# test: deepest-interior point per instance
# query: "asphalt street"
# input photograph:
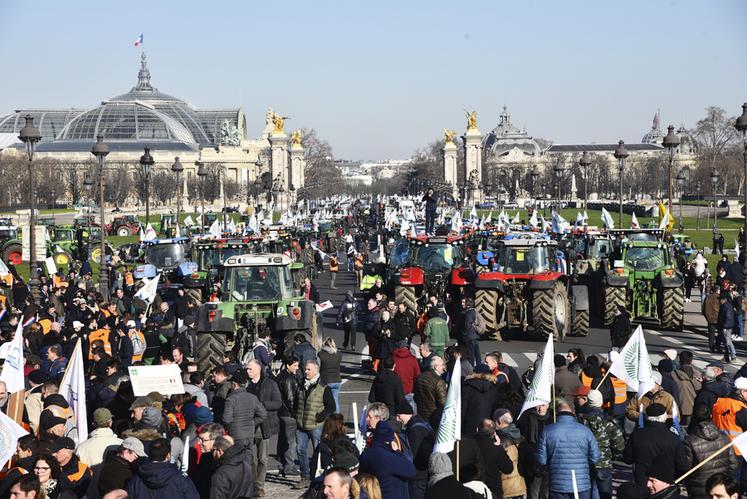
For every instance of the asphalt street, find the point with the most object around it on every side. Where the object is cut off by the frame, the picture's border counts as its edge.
(518, 353)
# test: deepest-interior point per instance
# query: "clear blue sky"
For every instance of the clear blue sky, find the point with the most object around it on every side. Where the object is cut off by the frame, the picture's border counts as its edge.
(381, 79)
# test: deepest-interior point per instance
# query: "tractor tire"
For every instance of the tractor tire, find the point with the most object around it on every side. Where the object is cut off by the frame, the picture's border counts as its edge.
(123, 231)
(551, 312)
(580, 323)
(613, 297)
(63, 258)
(406, 295)
(673, 308)
(12, 254)
(210, 350)
(486, 304)
(95, 255)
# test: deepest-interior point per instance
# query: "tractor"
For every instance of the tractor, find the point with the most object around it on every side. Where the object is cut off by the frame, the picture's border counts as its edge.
(166, 254)
(422, 266)
(209, 255)
(527, 287)
(588, 255)
(258, 294)
(10, 242)
(125, 225)
(167, 225)
(644, 280)
(76, 242)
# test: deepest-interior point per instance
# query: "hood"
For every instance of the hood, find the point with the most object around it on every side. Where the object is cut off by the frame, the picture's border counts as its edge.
(383, 435)
(510, 431)
(158, 475)
(144, 434)
(706, 430)
(329, 349)
(480, 382)
(233, 454)
(592, 372)
(401, 353)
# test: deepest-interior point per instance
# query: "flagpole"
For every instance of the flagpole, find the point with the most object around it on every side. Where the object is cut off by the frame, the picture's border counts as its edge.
(702, 463)
(603, 378)
(457, 460)
(554, 411)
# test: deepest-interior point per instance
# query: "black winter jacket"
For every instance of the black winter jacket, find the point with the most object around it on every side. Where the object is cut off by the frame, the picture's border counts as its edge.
(495, 459)
(703, 440)
(243, 411)
(651, 443)
(234, 477)
(288, 385)
(712, 390)
(387, 388)
(479, 397)
(267, 391)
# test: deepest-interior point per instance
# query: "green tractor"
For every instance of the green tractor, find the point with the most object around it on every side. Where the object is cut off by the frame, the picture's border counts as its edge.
(644, 280)
(209, 254)
(167, 225)
(10, 242)
(69, 242)
(258, 294)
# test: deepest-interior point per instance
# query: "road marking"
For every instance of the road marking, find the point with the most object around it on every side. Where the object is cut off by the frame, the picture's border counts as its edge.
(532, 356)
(509, 361)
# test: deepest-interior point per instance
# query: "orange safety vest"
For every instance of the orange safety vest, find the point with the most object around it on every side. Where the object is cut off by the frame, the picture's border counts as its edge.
(621, 390)
(139, 357)
(334, 265)
(103, 335)
(724, 415)
(586, 380)
(129, 280)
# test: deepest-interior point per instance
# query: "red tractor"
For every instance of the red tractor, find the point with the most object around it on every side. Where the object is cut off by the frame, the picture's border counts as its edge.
(423, 266)
(526, 287)
(125, 225)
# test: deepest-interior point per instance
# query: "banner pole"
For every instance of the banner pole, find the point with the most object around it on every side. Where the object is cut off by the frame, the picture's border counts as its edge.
(554, 411)
(703, 462)
(457, 460)
(603, 378)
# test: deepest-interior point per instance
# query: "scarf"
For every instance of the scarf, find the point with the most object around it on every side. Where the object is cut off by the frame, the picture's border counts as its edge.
(308, 382)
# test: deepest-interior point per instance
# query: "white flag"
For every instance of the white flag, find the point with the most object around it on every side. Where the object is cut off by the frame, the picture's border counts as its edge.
(148, 292)
(177, 233)
(404, 227)
(634, 222)
(185, 456)
(10, 432)
(740, 442)
(231, 226)
(586, 217)
(607, 219)
(664, 224)
(215, 228)
(545, 224)
(73, 389)
(533, 220)
(559, 224)
(253, 224)
(633, 365)
(736, 249)
(540, 391)
(450, 429)
(473, 213)
(150, 233)
(13, 368)
(188, 222)
(579, 219)
(516, 219)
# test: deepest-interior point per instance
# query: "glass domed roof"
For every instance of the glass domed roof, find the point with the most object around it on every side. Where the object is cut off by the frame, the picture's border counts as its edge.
(505, 137)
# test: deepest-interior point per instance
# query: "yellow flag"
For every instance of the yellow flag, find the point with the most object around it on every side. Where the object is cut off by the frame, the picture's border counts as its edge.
(663, 212)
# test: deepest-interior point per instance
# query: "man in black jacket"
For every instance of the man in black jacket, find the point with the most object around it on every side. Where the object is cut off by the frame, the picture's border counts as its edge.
(243, 411)
(233, 477)
(431, 203)
(716, 383)
(387, 386)
(419, 435)
(268, 393)
(287, 381)
(494, 457)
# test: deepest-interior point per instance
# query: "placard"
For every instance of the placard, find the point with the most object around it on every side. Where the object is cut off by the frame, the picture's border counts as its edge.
(166, 380)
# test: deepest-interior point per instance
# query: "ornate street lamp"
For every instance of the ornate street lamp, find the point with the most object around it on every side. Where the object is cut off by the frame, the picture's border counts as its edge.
(714, 183)
(30, 136)
(88, 185)
(621, 153)
(146, 163)
(100, 151)
(201, 174)
(559, 169)
(670, 143)
(178, 169)
(584, 163)
(741, 126)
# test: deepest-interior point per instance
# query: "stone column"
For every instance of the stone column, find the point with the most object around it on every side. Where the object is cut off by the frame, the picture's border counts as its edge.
(279, 167)
(473, 161)
(450, 166)
(298, 163)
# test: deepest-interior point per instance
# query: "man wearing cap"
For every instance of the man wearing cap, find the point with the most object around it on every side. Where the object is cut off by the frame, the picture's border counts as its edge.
(119, 467)
(716, 383)
(609, 437)
(654, 442)
(729, 414)
(417, 435)
(74, 474)
(243, 411)
(660, 481)
(233, 476)
(655, 395)
(101, 439)
(33, 398)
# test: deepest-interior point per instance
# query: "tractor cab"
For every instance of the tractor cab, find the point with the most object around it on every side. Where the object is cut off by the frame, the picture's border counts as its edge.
(168, 225)
(166, 254)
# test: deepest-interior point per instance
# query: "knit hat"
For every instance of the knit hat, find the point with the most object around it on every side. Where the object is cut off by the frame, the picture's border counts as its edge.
(439, 467)
(661, 469)
(344, 455)
(56, 399)
(197, 414)
(655, 410)
(403, 408)
(665, 366)
(62, 443)
(48, 420)
(102, 415)
(151, 417)
(631, 490)
(383, 433)
(37, 377)
(595, 398)
(740, 383)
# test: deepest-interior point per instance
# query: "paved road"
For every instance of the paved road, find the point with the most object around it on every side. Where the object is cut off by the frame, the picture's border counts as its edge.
(519, 354)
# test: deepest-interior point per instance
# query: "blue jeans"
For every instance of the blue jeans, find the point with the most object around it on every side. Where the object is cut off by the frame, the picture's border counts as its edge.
(410, 399)
(582, 494)
(335, 389)
(473, 348)
(602, 488)
(302, 441)
(740, 322)
(726, 336)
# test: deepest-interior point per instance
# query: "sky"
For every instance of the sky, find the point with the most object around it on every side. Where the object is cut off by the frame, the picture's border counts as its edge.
(383, 79)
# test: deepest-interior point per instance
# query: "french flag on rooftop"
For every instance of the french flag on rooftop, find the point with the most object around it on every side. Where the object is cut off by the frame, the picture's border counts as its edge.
(139, 40)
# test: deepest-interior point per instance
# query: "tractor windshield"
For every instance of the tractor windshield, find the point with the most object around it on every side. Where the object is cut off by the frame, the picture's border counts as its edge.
(436, 257)
(600, 249)
(645, 259)
(164, 255)
(63, 235)
(208, 258)
(261, 283)
(523, 260)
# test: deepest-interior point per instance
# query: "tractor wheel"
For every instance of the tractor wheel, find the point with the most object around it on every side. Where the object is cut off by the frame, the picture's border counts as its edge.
(123, 231)
(613, 297)
(673, 308)
(95, 255)
(12, 254)
(406, 295)
(581, 323)
(210, 349)
(486, 304)
(551, 312)
(63, 258)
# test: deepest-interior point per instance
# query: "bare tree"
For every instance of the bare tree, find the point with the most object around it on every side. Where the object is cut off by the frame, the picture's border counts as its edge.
(322, 176)
(74, 182)
(713, 134)
(117, 185)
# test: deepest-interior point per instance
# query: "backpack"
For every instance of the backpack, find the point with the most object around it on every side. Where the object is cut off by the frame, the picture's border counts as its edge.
(479, 323)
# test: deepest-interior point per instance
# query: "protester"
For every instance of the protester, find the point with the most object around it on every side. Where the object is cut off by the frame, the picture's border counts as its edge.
(233, 476)
(158, 478)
